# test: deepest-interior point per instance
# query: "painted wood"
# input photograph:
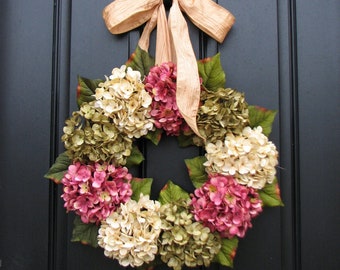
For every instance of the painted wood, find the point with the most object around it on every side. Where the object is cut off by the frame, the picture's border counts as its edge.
(282, 54)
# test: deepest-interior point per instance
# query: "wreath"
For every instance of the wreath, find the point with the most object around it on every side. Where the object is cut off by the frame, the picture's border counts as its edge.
(233, 180)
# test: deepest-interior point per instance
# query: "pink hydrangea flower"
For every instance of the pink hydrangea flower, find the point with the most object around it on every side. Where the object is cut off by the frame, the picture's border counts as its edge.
(161, 84)
(95, 191)
(223, 205)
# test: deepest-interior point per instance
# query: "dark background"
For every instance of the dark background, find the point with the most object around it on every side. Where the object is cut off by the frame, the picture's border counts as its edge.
(283, 54)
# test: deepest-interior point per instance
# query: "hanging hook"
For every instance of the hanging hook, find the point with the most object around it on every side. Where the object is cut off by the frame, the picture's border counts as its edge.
(167, 4)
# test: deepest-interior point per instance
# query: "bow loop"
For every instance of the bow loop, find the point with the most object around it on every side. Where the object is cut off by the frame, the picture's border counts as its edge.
(208, 16)
(124, 15)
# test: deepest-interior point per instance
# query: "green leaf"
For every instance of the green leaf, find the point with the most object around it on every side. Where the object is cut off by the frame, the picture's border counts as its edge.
(270, 194)
(259, 116)
(185, 140)
(86, 89)
(59, 168)
(211, 72)
(171, 193)
(227, 252)
(135, 158)
(196, 170)
(141, 60)
(140, 185)
(84, 233)
(154, 136)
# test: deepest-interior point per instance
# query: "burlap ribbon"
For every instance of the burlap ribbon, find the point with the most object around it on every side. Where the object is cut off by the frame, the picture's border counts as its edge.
(173, 40)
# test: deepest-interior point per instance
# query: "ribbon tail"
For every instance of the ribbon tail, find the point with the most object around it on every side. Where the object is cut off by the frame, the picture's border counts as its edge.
(144, 40)
(188, 83)
(163, 49)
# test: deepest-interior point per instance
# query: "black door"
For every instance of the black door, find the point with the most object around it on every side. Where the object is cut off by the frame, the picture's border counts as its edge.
(284, 55)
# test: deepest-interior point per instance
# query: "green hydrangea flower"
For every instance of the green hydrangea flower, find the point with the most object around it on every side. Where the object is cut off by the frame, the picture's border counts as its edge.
(96, 139)
(222, 111)
(184, 241)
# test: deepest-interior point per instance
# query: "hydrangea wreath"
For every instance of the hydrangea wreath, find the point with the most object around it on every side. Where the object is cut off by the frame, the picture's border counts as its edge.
(234, 180)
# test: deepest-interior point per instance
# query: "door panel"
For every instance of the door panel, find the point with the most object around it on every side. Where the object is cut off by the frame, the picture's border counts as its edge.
(250, 58)
(251, 67)
(319, 128)
(25, 75)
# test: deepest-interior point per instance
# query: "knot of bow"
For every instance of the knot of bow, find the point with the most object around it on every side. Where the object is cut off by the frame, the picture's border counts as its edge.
(173, 40)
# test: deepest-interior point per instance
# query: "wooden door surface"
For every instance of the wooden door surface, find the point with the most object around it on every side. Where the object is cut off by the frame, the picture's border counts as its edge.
(284, 55)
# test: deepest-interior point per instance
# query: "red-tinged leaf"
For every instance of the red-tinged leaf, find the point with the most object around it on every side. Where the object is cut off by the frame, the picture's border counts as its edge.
(227, 252)
(196, 170)
(59, 168)
(172, 193)
(212, 73)
(259, 116)
(140, 186)
(270, 194)
(141, 60)
(84, 233)
(86, 89)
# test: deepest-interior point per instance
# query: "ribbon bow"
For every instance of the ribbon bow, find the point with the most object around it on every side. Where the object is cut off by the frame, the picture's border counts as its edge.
(124, 15)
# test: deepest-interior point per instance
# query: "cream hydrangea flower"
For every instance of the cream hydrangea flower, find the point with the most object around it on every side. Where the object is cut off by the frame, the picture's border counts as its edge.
(249, 157)
(122, 98)
(130, 234)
